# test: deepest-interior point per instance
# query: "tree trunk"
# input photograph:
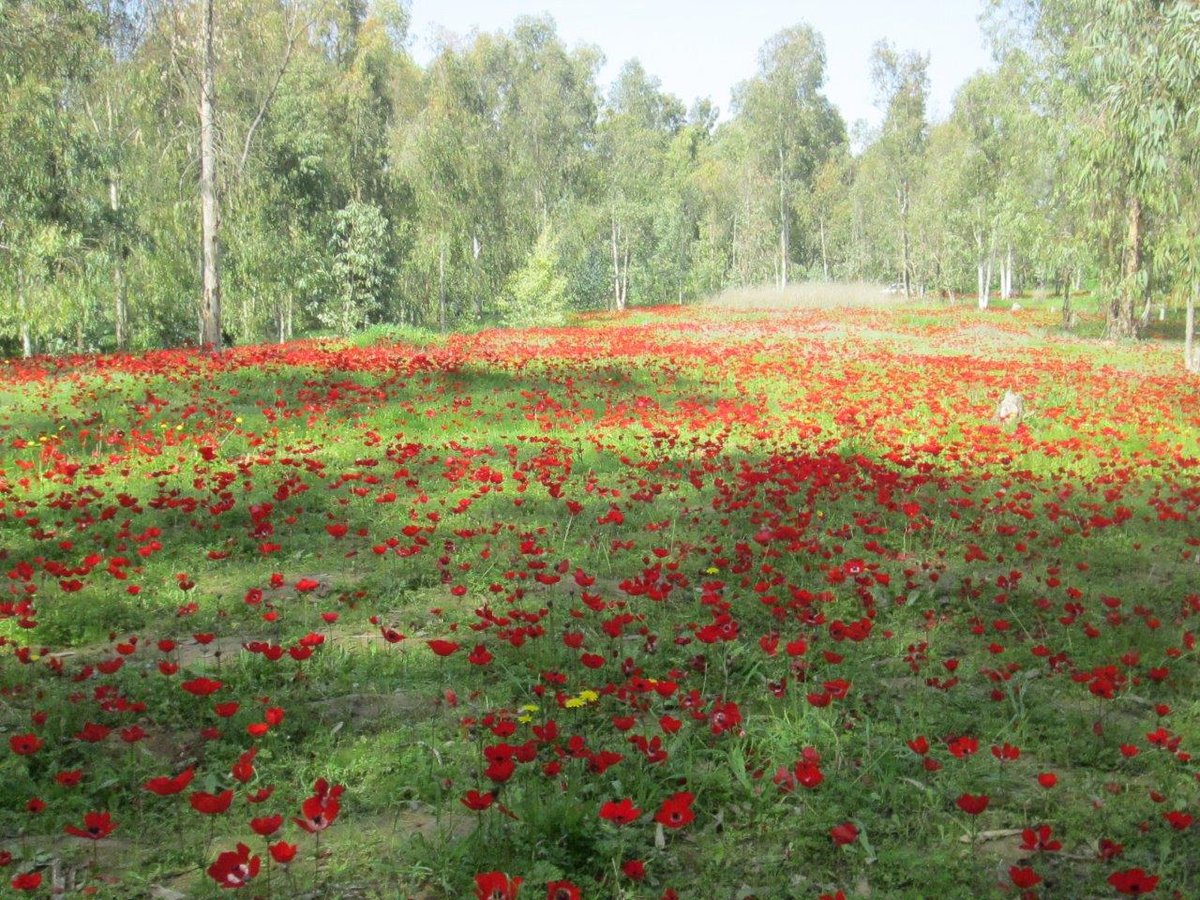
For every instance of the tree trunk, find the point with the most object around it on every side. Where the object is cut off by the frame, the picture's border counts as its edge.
(625, 280)
(442, 288)
(1191, 353)
(824, 254)
(984, 282)
(783, 224)
(1122, 317)
(616, 258)
(905, 249)
(1006, 291)
(120, 296)
(210, 302)
(23, 326)
(1066, 302)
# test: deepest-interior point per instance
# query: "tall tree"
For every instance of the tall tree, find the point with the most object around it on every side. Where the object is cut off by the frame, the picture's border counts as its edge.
(210, 299)
(793, 124)
(1127, 75)
(902, 82)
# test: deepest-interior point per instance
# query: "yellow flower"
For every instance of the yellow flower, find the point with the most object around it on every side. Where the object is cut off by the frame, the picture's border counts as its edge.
(711, 570)
(589, 696)
(530, 708)
(572, 703)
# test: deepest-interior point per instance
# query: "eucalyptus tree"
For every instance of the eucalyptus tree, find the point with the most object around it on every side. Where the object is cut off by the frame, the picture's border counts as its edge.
(902, 82)
(48, 52)
(794, 125)
(1127, 75)
(636, 130)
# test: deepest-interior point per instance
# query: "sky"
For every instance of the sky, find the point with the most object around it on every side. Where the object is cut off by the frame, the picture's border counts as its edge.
(702, 48)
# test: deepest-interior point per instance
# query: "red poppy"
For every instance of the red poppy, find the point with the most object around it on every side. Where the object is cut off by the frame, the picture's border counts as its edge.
(96, 826)
(442, 648)
(25, 745)
(676, 810)
(1179, 820)
(620, 812)
(1047, 779)
(93, 733)
(480, 656)
(846, 833)
(265, 826)
(235, 868)
(1133, 882)
(634, 869)
(474, 800)
(724, 716)
(973, 804)
(1038, 839)
(563, 890)
(211, 804)
(27, 881)
(321, 809)
(1024, 877)
(243, 770)
(496, 886)
(201, 687)
(283, 852)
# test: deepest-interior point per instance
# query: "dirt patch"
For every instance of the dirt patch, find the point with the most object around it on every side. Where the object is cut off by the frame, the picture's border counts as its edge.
(364, 712)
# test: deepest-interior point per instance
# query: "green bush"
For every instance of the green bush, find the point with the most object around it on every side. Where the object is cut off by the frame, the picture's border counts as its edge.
(536, 294)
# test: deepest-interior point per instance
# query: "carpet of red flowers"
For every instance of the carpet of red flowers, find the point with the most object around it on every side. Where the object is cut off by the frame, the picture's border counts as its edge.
(701, 604)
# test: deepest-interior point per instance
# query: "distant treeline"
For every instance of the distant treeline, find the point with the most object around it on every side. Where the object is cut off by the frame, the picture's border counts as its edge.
(348, 185)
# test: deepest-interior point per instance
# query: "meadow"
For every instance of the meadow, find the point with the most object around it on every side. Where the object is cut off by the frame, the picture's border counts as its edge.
(691, 602)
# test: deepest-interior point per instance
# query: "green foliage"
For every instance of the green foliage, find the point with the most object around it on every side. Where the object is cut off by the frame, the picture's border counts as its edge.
(536, 295)
(360, 270)
(356, 186)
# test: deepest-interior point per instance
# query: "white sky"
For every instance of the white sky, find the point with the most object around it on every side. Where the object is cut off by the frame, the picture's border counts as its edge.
(702, 48)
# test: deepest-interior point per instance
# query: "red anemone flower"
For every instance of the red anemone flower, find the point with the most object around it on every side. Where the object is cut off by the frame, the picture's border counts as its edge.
(235, 868)
(563, 890)
(442, 648)
(496, 886)
(165, 786)
(283, 852)
(620, 812)
(676, 810)
(27, 881)
(211, 804)
(96, 826)
(1133, 882)
(201, 687)
(476, 801)
(321, 809)
(25, 744)
(846, 833)
(265, 826)
(973, 804)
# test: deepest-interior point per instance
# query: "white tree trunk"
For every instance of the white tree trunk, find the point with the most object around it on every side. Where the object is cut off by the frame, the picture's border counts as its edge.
(616, 259)
(26, 338)
(984, 280)
(442, 287)
(824, 254)
(1191, 353)
(120, 297)
(783, 224)
(210, 302)
(1006, 291)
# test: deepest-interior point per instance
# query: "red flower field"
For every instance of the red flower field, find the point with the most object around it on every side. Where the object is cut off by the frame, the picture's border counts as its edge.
(692, 604)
